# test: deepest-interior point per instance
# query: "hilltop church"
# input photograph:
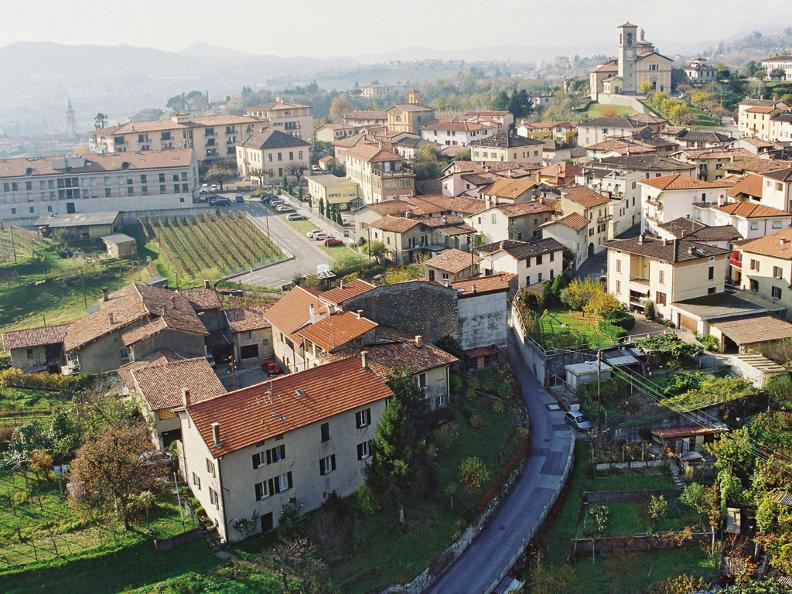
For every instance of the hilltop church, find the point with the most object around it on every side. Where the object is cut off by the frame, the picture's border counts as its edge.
(638, 62)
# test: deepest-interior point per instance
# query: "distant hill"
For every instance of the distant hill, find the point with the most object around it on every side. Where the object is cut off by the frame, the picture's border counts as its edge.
(754, 46)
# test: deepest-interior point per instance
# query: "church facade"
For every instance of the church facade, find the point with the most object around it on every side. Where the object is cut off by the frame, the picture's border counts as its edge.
(637, 62)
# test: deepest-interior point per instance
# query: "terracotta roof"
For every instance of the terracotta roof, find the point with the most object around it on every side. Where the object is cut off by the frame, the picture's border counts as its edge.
(481, 285)
(562, 169)
(758, 329)
(372, 153)
(751, 210)
(679, 181)
(646, 163)
(677, 250)
(621, 146)
(202, 298)
(31, 337)
(366, 114)
(776, 245)
(137, 311)
(549, 124)
(453, 261)
(756, 165)
(523, 249)
(243, 319)
(456, 126)
(411, 107)
(336, 330)
(293, 311)
(506, 140)
(760, 109)
(170, 124)
(524, 208)
(686, 228)
(390, 207)
(748, 185)
(95, 163)
(509, 188)
(346, 290)
(487, 112)
(404, 354)
(395, 224)
(573, 220)
(439, 203)
(277, 106)
(256, 413)
(161, 383)
(584, 196)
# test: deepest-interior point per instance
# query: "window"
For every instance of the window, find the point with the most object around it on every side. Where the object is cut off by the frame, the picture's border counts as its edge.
(618, 265)
(493, 220)
(538, 259)
(777, 272)
(755, 265)
(661, 277)
(711, 291)
(213, 498)
(261, 491)
(30, 353)
(363, 418)
(281, 483)
(210, 467)
(660, 298)
(325, 430)
(711, 273)
(365, 449)
(276, 454)
(777, 224)
(422, 380)
(256, 458)
(618, 287)
(197, 481)
(754, 226)
(327, 464)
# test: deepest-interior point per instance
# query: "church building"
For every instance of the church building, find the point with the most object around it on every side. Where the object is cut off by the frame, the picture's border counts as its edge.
(638, 62)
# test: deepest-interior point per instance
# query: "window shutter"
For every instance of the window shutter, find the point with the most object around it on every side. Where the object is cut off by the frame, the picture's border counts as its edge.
(259, 491)
(332, 461)
(368, 416)
(289, 478)
(321, 466)
(269, 456)
(272, 486)
(360, 451)
(256, 460)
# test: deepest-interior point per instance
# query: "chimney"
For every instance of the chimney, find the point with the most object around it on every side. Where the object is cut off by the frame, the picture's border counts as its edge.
(418, 340)
(341, 286)
(691, 251)
(206, 283)
(312, 313)
(364, 360)
(641, 238)
(782, 241)
(186, 401)
(105, 294)
(359, 313)
(110, 317)
(216, 434)
(475, 290)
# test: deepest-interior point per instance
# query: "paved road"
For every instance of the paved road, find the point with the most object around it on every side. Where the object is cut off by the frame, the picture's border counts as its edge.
(491, 555)
(305, 251)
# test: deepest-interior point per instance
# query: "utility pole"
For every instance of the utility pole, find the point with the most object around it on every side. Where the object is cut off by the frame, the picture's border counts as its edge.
(13, 243)
(85, 299)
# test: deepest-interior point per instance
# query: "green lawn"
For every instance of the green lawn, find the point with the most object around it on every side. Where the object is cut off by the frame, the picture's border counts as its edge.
(601, 110)
(625, 573)
(630, 517)
(583, 328)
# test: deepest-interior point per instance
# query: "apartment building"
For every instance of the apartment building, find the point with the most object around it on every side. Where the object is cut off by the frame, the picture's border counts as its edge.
(294, 440)
(334, 132)
(454, 133)
(571, 231)
(291, 118)
(670, 197)
(411, 240)
(501, 118)
(211, 137)
(591, 132)
(532, 261)
(140, 181)
(764, 267)
(271, 155)
(506, 146)
(379, 173)
(452, 265)
(748, 119)
(777, 189)
(520, 221)
(781, 63)
(562, 132)
(410, 116)
(334, 190)
(664, 271)
(366, 117)
(592, 206)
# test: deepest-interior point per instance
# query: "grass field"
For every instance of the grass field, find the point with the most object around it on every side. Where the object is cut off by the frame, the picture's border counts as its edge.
(600, 110)
(583, 327)
(618, 574)
(22, 242)
(192, 248)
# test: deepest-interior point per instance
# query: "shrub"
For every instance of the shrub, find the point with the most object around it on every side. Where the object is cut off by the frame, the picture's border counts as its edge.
(710, 343)
(621, 318)
(455, 383)
(601, 304)
(610, 330)
(20, 497)
(599, 515)
(498, 407)
(446, 435)
(649, 310)
(473, 474)
(365, 500)
(477, 421)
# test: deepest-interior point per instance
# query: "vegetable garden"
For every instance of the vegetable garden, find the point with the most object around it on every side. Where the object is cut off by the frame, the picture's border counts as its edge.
(193, 247)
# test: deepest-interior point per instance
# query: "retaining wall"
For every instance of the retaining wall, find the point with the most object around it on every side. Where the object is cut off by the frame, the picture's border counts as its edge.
(603, 545)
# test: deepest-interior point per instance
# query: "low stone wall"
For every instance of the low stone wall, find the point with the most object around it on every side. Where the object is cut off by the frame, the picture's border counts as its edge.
(613, 496)
(604, 545)
(631, 465)
(622, 100)
(177, 541)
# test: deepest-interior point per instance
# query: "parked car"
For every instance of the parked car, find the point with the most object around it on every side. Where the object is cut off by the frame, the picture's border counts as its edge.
(271, 367)
(219, 201)
(283, 209)
(275, 202)
(320, 236)
(239, 198)
(333, 242)
(578, 421)
(295, 216)
(312, 233)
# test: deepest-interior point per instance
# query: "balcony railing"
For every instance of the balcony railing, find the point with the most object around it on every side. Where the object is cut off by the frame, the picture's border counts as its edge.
(735, 261)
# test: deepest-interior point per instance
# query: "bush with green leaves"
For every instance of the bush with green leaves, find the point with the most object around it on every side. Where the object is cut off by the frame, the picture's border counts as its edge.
(669, 345)
(610, 330)
(650, 313)
(579, 292)
(710, 343)
(621, 318)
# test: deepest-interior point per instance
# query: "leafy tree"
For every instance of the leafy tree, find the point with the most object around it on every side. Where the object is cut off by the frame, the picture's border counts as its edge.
(339, 107)
(40, 464)
(501, 101)
(657, 509)
(100, 121)
(680, 584)
(777, 74)
(779, 392)
(473, 474)
(321, 207)
(601, 304)
(108, 472)
(297, 558)
(376, 249)
(645, 88)
(219, 173)
(579, 292)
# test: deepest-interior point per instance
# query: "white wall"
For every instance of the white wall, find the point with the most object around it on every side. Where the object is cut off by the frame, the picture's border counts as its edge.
(483, 320)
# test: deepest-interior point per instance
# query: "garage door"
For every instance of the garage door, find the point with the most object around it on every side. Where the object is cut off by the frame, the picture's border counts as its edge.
(688, 323)
(249, 352)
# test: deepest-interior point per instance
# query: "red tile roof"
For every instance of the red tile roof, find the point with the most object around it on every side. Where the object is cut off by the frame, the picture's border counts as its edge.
(401, 353)
(573, 220)
(31, 337)
(346, 290)
(481, 285)
(202, 298)
(337, 330)
(775, 245)
(395, 224)
(751, 210)
(293, 311)
(161, 383)
(244, 319)
(256, 413)
(585, 196)
(452, 260)
(749, 185)
(679, 181)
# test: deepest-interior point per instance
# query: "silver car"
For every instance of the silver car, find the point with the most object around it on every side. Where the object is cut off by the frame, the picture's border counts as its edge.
(578, 421)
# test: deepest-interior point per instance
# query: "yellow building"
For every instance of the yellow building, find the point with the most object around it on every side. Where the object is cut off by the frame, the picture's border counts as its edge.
(332, 189)
(766, 267)
(410, 116)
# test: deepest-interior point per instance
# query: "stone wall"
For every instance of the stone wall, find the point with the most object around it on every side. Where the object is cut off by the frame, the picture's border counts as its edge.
(415, 307)
(622, 100)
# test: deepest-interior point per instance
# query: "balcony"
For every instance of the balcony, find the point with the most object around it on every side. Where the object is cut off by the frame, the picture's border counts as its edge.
(735, 260)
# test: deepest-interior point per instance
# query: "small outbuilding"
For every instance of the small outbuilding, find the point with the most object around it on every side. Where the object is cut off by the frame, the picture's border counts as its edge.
(82, 225)
(36, 349)
(120, 245)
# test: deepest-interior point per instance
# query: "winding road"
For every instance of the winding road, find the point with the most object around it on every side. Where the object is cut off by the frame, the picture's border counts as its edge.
(492, 554)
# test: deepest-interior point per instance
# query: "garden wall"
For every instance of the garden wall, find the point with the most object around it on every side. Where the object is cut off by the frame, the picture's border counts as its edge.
(630, 465)
(623, 100)
(177, 541)
(613, 496)
(604, 545)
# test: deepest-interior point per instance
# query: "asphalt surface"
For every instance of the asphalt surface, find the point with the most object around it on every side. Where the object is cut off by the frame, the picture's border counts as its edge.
(307, 255)
(492, 553)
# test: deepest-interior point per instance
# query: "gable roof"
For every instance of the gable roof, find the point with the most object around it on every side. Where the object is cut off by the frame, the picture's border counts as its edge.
(751, 210)
(521, 209)
(161, 383)
(776, 245)
(481, 285)
(137, 311)
(400, 354)
(254, 414)
(32, 337)
(452, 260)
(346, 290)
(293, 311)
(372, 153)
(244, 319)
(202, 298)
(686, 228)
(366, 114)
(336, 330)
(573, 220)
(395, 224)
(755, 329)
(680, 181)
(521, 250)
(783, 175)
(677, 250)
(509, 188)
(646, 163)
(273, 139)
(748, 185)
(584, 196)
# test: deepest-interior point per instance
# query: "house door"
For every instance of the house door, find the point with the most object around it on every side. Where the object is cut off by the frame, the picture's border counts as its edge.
(591, 249)
(70, 208)
(250, 351)
(266, 523)
(687, 323)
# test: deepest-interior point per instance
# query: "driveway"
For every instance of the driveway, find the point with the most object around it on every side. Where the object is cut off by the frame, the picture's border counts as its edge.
(494, 551)
(307, 256)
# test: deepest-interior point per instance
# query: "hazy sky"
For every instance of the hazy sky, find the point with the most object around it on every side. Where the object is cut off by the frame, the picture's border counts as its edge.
(350, 27)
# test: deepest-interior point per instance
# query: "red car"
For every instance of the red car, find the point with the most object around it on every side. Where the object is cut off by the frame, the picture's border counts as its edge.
(271, 367)
(333, 242)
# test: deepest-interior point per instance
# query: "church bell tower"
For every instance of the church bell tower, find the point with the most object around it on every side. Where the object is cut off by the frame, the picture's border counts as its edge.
(628, 38)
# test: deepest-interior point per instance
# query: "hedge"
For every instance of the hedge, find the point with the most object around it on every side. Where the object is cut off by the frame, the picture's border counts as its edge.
(620, 318)
(612, 331)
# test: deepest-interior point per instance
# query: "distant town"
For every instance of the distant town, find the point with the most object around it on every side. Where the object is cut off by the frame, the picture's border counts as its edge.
(496, 328)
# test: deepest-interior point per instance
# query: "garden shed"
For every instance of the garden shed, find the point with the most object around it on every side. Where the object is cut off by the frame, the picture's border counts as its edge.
(120, 245)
